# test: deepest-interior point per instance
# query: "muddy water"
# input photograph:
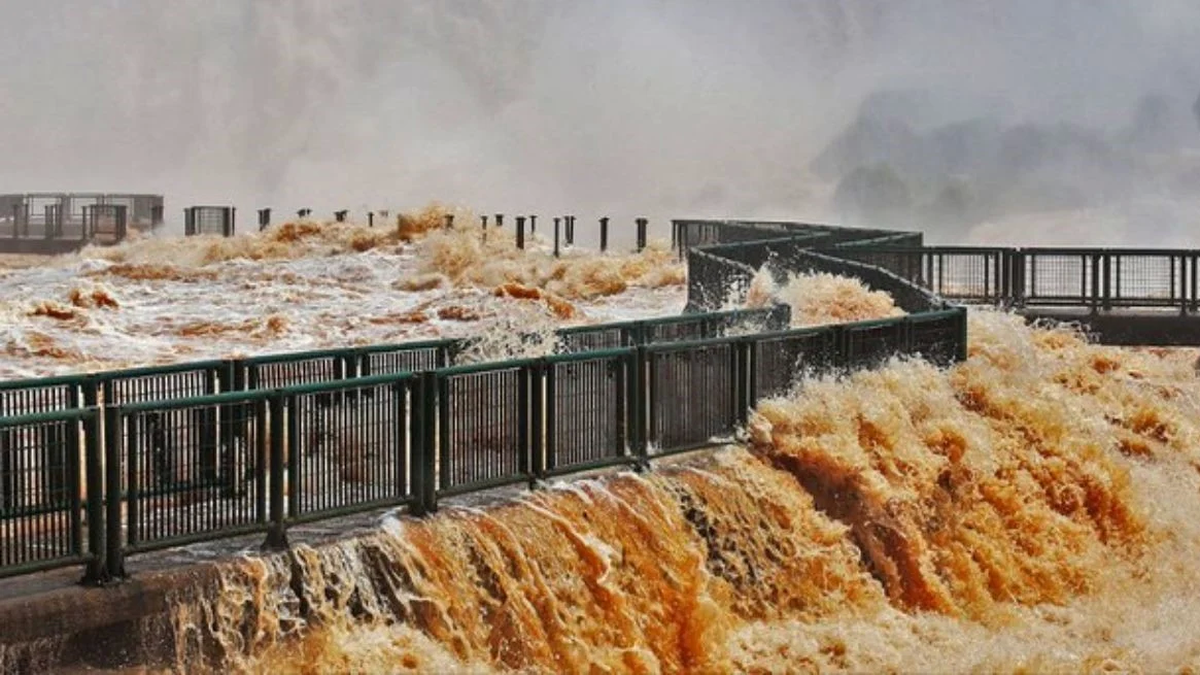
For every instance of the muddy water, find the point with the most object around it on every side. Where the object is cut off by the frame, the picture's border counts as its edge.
(1031, 510)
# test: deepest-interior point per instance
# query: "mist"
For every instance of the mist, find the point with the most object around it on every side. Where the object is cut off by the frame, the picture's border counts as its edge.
(1049, 122)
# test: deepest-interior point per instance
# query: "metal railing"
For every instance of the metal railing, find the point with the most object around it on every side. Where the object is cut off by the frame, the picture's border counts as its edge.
(61, 221)
(218, 220)
(97, 468)
(1087, 278)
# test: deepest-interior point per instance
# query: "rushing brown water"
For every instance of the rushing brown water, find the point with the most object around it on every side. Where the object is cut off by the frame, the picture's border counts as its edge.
(301, 285)
(1031, 510)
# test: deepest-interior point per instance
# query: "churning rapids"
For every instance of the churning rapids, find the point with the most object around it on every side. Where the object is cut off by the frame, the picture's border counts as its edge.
(1030, 510)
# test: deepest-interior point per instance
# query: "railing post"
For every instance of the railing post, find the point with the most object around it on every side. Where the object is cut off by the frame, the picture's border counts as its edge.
(277, 530)
(418, 445)
(423, 459)
(1019, 295)
(521, 232)
(93, 453)
(533, 224)
(748, 377)
(115, 560)
(646, 394)
(1190, 289)
(1108, 280)
(449, 221)
(541, 411)
(641, 234)
(603, 234)
(556, 225)
(499, 220)
(1182, 276)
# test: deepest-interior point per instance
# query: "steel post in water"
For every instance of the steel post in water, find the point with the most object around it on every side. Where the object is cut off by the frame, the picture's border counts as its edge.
(370, 219)
(449, 220)
(641, 234)
(340, 216)
(532, 224)
(499, 220)
(264, 219)
(604, 234)
(483, 221)
(556, 222)
(521, 232)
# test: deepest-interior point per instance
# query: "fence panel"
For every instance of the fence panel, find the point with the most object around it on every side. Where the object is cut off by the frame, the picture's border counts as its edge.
(183, 476)
(969, 276)
(42, 490)
(868, 343)
(595, 338)
(279, 371)
(404, 358)
(677, 329)
(587, 415)
(778, 359)
(938, 337)
(1061, 276)
(218, 220)
(694, 394)
(1144, 279)
(184, 380)
(483, 426)
(105, 223)
(350, 456)
(904, 263)
(712, 281)
(51, 394)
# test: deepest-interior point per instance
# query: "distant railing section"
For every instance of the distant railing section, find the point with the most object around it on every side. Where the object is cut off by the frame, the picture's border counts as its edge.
(1090, 278)
(55, 221)
(688, 234)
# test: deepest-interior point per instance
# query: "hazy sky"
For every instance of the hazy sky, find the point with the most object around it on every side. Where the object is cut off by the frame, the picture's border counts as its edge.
(665, 107)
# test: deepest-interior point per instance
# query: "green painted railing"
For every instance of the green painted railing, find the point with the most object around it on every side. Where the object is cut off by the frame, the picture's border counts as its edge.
(94, 469)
